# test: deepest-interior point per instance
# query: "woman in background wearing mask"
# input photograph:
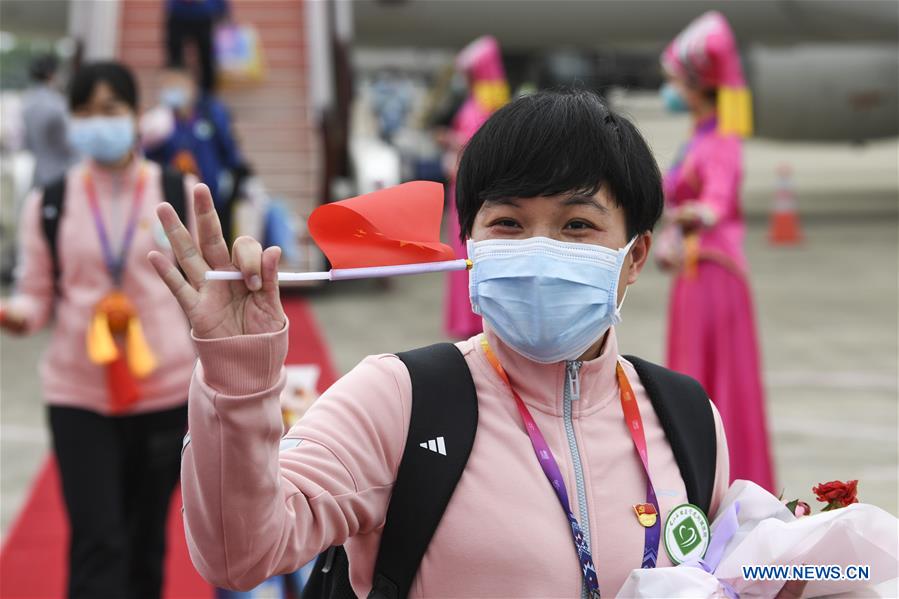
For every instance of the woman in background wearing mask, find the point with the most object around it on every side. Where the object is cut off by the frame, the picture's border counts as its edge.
(117, 370)
(482, 64)
(711, 328)
(557, 197)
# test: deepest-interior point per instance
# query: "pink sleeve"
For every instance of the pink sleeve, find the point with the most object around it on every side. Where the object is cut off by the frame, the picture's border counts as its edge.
(256, 505)
(722, 466)
(720, 170)
(34, 295)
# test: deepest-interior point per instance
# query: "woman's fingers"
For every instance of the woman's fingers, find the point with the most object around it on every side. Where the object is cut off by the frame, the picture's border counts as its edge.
(270, 259)
(209, 229)
(186, 295)
(183, 245)
(247, 257)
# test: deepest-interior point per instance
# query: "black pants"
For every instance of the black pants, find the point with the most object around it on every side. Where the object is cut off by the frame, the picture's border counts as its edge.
(178, 31)
(118, 474)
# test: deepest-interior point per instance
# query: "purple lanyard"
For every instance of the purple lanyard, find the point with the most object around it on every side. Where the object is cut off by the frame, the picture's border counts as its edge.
(115, 264)
(554, 475)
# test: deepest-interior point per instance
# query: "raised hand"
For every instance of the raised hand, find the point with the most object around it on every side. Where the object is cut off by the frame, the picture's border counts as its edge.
(218, 309)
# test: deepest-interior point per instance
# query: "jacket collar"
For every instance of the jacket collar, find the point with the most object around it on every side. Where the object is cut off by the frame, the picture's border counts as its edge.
(542, 386)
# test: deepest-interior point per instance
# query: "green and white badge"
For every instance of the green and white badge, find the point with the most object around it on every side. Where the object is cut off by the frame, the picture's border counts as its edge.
(686, 533)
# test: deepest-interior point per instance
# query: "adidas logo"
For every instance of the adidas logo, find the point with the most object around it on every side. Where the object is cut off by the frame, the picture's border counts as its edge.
(436, 445)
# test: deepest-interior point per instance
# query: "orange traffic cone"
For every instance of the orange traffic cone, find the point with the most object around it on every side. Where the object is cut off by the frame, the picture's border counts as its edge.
(784, 225)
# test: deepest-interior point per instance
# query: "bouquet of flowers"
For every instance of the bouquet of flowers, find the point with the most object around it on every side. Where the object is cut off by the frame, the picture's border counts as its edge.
(758, 544)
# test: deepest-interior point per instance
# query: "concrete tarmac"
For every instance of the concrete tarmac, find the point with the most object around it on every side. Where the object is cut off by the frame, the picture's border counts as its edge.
(826, 309)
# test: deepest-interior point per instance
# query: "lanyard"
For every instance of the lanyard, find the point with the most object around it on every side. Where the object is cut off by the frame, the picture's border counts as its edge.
(553, 473)
(116, 264)
(635, 426)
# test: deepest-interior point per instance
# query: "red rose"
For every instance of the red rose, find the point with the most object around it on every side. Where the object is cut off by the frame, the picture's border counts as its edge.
(836, 493)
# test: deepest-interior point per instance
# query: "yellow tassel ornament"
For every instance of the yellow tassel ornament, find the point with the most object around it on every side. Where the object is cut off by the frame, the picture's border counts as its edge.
(115, 316)
(141, 360)
(734, 111)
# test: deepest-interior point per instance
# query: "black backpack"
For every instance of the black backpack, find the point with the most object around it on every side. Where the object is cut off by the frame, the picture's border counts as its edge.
(53, 204)
(444, 403)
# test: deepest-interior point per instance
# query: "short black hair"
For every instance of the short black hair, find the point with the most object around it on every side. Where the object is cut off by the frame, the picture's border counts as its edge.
(43, 67)
(555, 142)
(116, 75)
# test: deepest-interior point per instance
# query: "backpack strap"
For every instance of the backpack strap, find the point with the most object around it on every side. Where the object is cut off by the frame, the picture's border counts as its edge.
(330, 576)
(52, 204)
(443, 422)
(173, 191)
(685, 414)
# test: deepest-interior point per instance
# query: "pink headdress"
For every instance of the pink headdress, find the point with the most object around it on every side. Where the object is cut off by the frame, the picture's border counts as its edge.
(482, 61)
(705, 53)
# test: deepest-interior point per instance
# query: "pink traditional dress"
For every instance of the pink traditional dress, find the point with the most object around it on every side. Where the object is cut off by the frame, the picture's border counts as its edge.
(482, 63)
(711, 326)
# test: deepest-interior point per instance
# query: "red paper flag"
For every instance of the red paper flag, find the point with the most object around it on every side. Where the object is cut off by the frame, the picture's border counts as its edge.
(397, 225)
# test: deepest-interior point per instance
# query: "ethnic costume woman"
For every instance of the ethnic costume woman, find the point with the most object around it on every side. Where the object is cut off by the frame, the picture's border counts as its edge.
(117, 370)
(482, 64)
(711, 327)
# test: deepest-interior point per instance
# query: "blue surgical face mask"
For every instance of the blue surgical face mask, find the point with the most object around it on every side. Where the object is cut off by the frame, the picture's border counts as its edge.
(548, 300)
(106, 139)
(674, 101)
(174, 97)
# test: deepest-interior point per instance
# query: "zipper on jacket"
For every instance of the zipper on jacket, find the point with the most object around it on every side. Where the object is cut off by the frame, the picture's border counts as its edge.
(572, 393)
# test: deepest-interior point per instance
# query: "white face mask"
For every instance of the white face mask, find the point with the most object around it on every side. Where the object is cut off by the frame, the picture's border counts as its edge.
(106, 139)
(174, 97)
(548, 300)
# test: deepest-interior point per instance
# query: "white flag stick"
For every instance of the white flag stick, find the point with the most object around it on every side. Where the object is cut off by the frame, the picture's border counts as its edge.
(339, 274)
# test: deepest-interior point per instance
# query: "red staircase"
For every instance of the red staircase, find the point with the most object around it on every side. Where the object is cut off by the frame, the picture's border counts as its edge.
(271, 119)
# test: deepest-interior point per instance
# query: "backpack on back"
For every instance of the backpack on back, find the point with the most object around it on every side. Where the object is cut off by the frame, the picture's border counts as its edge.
(445, 404)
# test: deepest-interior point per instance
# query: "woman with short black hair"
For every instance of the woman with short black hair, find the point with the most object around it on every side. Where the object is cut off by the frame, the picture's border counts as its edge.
(571, 473)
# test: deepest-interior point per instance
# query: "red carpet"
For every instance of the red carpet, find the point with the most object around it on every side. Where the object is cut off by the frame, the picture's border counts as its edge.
(33, 562)
(306, 343)
(33, 559)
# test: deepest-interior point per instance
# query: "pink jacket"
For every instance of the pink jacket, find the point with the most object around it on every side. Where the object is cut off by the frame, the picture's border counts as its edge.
(256, 504)
(69, 378)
